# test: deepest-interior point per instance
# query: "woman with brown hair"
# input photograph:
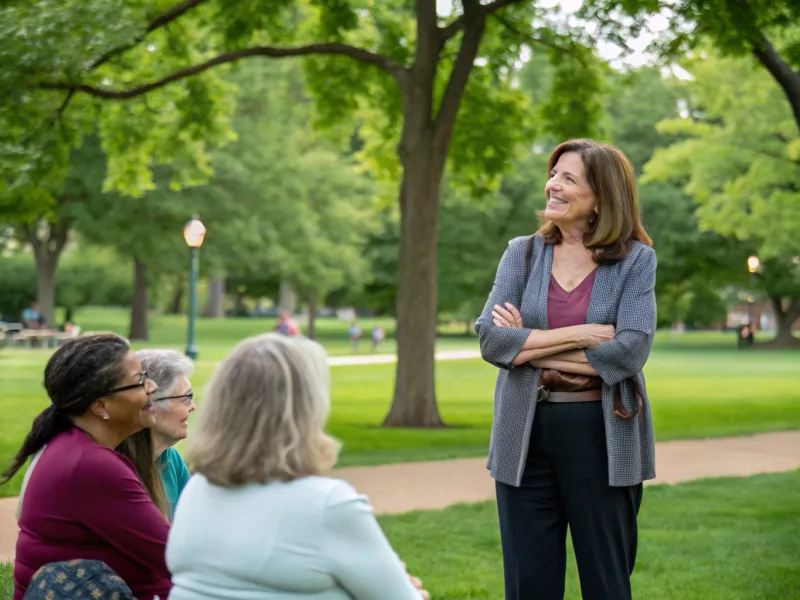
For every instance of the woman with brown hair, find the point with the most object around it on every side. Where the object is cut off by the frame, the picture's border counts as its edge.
(570, 322)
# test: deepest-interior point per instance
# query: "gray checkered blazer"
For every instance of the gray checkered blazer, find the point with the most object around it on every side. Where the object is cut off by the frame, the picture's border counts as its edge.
(623, 296)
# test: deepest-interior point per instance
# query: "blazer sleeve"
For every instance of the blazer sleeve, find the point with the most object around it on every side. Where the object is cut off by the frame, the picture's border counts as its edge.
(500, 345)
(626, 354)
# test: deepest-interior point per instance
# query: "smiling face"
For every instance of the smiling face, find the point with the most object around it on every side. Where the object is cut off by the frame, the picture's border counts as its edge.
(570, 199)
(130, 410)
(173, 413)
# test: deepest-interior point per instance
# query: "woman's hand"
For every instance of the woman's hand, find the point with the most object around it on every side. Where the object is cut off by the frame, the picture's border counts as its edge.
(506, 316)
(417, 583)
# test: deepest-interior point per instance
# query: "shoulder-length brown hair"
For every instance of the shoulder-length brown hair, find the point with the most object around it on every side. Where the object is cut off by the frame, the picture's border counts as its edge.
(611, 178)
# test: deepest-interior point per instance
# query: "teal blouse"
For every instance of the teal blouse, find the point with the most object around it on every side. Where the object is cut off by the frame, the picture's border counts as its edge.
(174, 476)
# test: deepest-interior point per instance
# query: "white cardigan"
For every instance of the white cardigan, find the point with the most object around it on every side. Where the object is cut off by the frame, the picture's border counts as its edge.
(310, 538)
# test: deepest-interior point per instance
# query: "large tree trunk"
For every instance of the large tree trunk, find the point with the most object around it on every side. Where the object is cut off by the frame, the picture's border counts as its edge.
(785, 317)
(47, 241)
(238, 303)
(176, 302)
(215, 301)
(287, 299)
(312, 316)
(414, 402)
(423, 151)
(783, 73)
(45, 287)
(138, 329)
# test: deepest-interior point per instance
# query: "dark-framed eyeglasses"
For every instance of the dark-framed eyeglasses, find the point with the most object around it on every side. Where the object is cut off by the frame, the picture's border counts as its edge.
(186, 399)
(142, 380)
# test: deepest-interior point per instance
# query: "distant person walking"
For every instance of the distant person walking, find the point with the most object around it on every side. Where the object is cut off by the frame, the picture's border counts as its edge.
(355, 335)
(378, 335)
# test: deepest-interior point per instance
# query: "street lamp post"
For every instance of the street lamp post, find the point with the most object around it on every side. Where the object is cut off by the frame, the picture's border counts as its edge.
(194, 232)
(753, 263)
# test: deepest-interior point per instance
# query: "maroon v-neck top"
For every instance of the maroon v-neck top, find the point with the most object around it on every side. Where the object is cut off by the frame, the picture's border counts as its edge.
(567, 309)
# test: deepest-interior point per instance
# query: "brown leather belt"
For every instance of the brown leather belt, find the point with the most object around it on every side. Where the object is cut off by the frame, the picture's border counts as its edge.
(545, 395)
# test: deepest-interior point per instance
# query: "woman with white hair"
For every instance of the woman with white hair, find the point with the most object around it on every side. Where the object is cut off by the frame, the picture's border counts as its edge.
(258, 519)
(174, 402)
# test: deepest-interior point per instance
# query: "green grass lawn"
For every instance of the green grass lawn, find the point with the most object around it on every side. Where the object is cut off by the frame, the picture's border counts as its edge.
(699, 384)
(717, 539)
(216, 337)
(6, 580)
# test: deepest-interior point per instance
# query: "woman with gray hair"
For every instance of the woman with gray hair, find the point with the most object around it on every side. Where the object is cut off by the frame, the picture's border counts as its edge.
(173, 401)
(258, 518)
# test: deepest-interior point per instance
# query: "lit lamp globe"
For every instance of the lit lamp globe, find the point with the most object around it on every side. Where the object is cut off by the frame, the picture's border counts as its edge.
(194, 233)
(753, 263)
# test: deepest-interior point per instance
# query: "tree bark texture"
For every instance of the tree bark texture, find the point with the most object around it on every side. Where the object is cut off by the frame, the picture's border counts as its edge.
(47, 242)
(138, 329)
(215, 300)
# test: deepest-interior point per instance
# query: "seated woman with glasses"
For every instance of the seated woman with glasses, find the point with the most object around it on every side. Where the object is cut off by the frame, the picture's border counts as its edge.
(84, 500)
(158, 464)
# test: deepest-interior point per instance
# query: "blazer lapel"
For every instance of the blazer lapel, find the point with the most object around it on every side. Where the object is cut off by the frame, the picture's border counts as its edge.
(534, 305)
(599, 310)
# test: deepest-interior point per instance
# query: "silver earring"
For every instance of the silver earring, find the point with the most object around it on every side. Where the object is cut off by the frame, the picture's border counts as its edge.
(105, 417)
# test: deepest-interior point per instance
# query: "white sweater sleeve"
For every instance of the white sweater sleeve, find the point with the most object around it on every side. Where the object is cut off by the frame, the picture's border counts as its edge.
(361, 558)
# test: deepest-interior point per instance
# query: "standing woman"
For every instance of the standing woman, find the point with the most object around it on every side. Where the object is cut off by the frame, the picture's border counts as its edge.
(570, 322)
(83, 500)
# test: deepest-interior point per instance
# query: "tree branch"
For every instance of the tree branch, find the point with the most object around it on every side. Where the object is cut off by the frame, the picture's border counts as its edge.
(793, 310)
(59, 233)
(780, 70)
(28, 230)
(386, 64)
(65, 103)
(426, 57)
(535, 40)
(485, 10)
(454, 91)
(173, 13)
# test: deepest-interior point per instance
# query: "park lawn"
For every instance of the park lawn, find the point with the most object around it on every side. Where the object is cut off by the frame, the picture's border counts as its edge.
(715, 539)
(6, 580)
(216, 337)
(699, 386)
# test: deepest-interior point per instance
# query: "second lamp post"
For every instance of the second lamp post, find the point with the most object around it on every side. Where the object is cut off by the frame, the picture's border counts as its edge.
(193, 233)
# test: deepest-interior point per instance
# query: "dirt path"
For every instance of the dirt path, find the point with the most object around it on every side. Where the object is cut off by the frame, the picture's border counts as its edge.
(434, 485)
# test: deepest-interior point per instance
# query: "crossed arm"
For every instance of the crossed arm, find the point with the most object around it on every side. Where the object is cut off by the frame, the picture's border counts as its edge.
(558, 349)
(614, 353)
